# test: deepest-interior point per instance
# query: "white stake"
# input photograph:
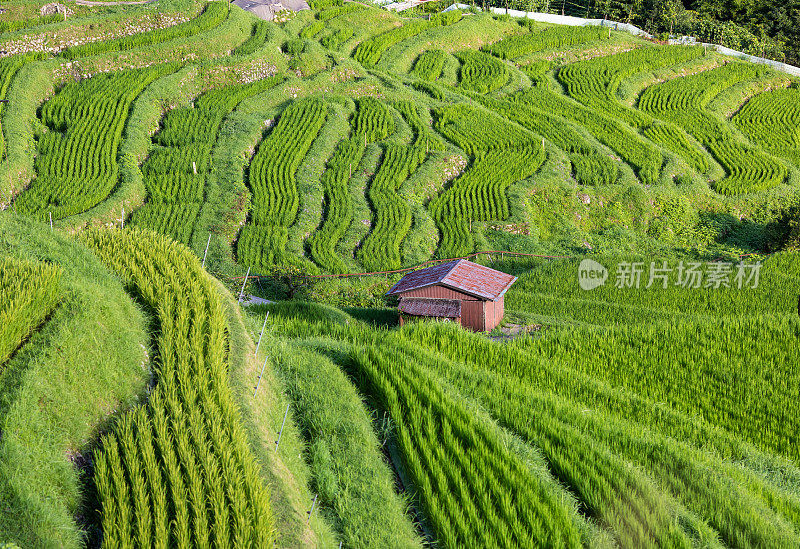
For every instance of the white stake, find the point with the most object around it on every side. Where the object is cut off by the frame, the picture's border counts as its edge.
(123, 218)
(262, 332)
(194, 167)
(260, 375)
(314, 504)
(241, 294)
(206, 252)
(51, 220)
(280, 433)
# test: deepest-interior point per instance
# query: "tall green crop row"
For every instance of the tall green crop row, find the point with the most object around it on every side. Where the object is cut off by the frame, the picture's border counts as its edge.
(424, 136)
(373, 120)
(589, 450)
(275, 200)
(76, 161)
(381, 249)
(502, 155)
(595, 83)
(13, 26)
(369, 52)
(8, 68)
(213, 15)
(330, 13)
(645, 159)
(683, 101)
(772, 120)
(589, 166)
(335, 40)
(480, 72)
(338, 207)
(312, 29)
(429, 65)
(179, 471)
(463, 475)
(28, 294)
(518, 45)
(258, 37)
(176, 170)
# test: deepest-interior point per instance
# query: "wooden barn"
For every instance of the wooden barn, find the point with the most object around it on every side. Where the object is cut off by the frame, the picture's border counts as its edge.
(458, 290)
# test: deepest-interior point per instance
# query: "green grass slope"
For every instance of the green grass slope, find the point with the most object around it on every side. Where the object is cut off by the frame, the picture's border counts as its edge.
(87, 362)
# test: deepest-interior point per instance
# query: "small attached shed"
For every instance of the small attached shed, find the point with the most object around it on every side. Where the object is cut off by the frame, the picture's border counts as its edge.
(459, 290)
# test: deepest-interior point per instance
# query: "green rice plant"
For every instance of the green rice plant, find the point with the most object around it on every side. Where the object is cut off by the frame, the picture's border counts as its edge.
(771, 120)
(355, 483)
(594, 169)
(258, 37)
(429, 65)
(381, 249)
(516, 388)
(28, 294)
(429, 89)
(312, 29)
(330, 13)
(262, 246)
(194, 421)
(20, 24)
(643, 157)
(589, 166)
(176, 187)
(480, 72)
(174, 219)
(155, 479)
(537, 69)
(479, 195)
(183, 159)
(424, 136)
(175, 173)
(517, 45)
(595, 83)
(335, 40)
(136, 476)
(9, 67)
(683, 101)
(105, 492)
(275, 199)
(459, 467)
(369, 52)
(338, 206)
(212, 16)
(372, 120)
(476, 130)
(502, 155)
(77, 157)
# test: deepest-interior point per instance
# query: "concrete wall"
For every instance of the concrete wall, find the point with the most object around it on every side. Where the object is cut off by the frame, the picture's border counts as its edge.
(579, 22)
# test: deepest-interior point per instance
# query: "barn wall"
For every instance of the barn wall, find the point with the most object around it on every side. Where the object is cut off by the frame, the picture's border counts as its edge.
(439, 292)
(494, 313)
(472, 315)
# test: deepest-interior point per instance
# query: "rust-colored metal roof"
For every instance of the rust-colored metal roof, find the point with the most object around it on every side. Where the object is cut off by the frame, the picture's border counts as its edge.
(461, 275)
(439, 308)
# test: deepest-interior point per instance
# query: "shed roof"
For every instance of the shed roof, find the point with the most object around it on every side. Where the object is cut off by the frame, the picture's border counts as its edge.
(461, 275)
(439, 308)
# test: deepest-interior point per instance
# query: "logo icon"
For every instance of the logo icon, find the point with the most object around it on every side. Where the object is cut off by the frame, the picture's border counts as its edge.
(591, 274)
